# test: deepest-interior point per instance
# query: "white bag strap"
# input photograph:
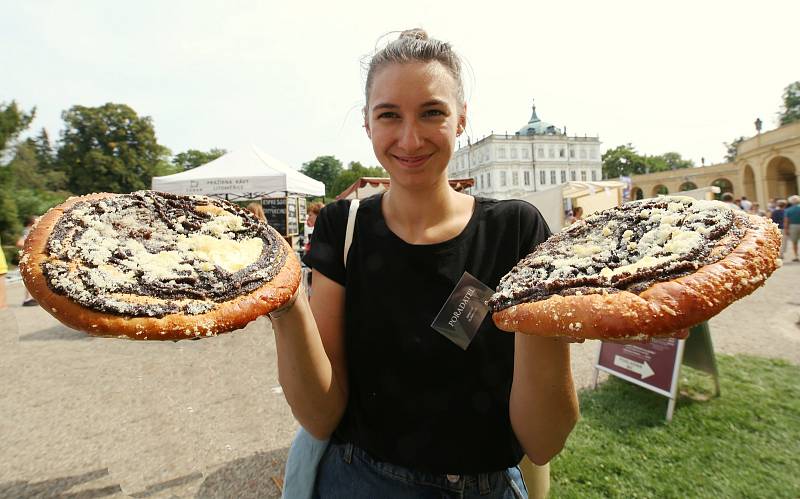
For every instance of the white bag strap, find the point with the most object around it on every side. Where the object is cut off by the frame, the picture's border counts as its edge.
(351, 225)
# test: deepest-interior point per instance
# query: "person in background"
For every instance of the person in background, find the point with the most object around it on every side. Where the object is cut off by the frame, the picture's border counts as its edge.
(311, 218)
(258, 211)
(791, 223)
(577, 214)
(756, 210)
(28, 300)
(745, 204)
(727, 198)
(777, 217)
(3, 272)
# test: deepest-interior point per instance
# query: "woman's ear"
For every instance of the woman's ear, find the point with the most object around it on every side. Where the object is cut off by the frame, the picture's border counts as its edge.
(366, 121)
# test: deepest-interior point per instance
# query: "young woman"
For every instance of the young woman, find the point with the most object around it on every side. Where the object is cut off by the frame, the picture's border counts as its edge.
(409, 413)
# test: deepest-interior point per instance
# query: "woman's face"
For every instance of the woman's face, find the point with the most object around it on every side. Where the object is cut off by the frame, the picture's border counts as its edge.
(412, 119)
(311, 219)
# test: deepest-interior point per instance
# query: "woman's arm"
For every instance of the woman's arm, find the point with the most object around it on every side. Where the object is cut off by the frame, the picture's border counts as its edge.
(311, 357)
(543, 406)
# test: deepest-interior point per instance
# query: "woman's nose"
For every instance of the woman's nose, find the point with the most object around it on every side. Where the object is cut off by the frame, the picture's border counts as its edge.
(410, 137)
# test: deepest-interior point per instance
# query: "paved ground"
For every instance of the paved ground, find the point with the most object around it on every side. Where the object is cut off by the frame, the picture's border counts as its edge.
(90, 417)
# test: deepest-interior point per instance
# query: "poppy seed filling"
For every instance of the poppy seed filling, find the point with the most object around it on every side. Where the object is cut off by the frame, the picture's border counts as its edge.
(150, 254)
(628, 248)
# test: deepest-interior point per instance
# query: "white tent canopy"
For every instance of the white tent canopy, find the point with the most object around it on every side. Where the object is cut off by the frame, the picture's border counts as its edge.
(241, 175)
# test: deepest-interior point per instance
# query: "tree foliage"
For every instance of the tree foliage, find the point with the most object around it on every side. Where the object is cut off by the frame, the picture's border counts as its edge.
(13, 121)
(193, 158)
(624, 160)
(732, 149)
(791, 104)
(353, 172)
(109, 148)
(325, 169)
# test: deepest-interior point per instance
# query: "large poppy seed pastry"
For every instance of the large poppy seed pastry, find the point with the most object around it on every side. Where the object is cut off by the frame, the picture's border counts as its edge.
(645, 269)
(156, 266)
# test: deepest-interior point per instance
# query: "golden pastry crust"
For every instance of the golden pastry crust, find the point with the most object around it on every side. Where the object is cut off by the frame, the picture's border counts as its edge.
(662, 309)
(225, 316)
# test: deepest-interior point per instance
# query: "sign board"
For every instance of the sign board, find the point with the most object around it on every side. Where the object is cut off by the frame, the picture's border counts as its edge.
(302, 209)
(281, 214)
(656, 364)
(292, 217)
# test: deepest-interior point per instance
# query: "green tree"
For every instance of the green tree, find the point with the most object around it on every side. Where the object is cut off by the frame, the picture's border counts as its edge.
(13, 121)
(353, 172)
(623, 160)
(732, 149)
(791, 104)
(193, 158)
(325, 169)
(676, 162)
(109, 148)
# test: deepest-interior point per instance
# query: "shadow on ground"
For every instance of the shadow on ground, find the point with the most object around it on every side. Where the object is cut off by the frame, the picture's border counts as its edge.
(253, 476)
(56, 333)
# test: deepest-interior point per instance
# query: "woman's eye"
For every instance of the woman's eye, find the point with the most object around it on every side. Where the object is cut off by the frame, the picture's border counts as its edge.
(434, 112)
(388, 114)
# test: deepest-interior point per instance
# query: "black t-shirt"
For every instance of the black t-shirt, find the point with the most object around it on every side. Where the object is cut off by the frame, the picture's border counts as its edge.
(415, 398)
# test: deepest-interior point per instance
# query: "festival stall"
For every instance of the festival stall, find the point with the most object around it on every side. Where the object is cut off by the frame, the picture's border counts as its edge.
(556, 202)
(250, 174)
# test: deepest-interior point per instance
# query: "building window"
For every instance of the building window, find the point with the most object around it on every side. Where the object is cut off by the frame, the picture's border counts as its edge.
(525, 154)
(514, 178)
(501, 153)
(502, 178)
(561, 153)
(572, 175)
(542, 177)
(513, 152)
(572, 152)
(553, 177)
(479, 181)
(526, 178)
(489, 180)
(563, 176)
(583, 175)
(551, 152)
(594, 175)
(540, 152)
(583, 153)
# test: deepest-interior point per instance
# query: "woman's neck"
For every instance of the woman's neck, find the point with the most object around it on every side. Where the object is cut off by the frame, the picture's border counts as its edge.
(426, 216)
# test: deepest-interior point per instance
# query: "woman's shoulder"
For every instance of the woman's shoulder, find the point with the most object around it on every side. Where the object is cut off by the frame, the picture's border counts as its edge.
(497, 208)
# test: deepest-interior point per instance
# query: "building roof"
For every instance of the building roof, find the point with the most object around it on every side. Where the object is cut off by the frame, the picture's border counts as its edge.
(535, 126)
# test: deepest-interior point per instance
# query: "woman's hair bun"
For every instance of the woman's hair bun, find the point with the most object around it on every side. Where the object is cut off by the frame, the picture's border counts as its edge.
(416, 33)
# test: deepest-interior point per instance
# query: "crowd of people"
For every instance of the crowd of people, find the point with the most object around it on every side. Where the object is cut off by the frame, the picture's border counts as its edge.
(784, 212)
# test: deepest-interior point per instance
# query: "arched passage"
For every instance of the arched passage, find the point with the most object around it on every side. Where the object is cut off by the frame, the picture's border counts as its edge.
(687, 186)
(724, 185)
(781, 177)
(637, 193)
(749, 182)
(660, 189)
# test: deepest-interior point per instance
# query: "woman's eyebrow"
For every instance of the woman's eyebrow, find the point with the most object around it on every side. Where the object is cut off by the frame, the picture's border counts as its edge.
(384, 105)
(434, 102)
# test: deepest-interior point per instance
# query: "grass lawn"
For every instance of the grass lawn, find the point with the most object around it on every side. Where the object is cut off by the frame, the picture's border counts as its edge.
(745, 443)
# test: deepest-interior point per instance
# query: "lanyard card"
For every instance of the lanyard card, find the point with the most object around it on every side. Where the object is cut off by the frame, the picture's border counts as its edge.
(464, 311)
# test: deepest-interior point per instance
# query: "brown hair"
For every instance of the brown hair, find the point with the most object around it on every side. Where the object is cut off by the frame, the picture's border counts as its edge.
(258, 211)
(315, 207)
(413, 45)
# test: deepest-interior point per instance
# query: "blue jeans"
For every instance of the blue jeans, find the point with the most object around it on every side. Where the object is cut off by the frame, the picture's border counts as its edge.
(348, 472)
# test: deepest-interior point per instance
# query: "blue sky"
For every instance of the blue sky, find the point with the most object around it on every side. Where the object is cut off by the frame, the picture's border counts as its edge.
(286, 76)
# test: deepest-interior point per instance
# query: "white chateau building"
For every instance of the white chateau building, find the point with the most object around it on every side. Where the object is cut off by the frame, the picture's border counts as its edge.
(539, 156)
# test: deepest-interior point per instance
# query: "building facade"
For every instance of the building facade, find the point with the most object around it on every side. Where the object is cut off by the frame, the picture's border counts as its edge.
(539, 156)
(767, 167)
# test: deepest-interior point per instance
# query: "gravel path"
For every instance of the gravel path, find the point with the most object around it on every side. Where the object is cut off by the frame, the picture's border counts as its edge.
(94, 417)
